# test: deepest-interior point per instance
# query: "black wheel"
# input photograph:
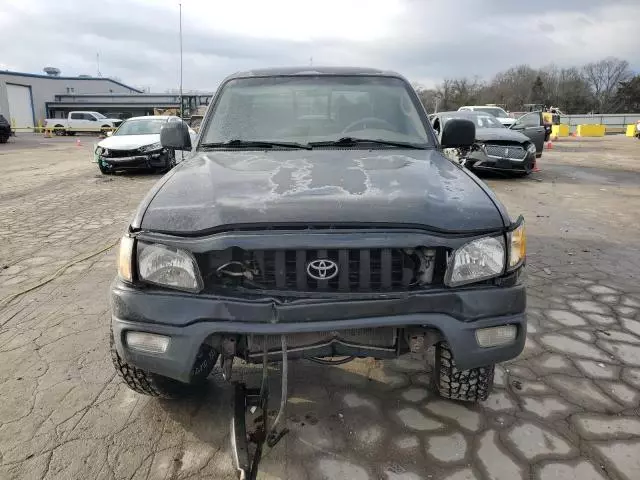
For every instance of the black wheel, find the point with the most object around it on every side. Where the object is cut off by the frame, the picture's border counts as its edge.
(104, 129)
(104, 169)
(59, 131)
(473, 385)
(171, 159)
(4, 138)
(156, 385)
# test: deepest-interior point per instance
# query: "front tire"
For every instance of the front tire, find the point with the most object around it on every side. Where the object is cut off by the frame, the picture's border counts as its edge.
(154, 385)
(472, 385)
(59, 131)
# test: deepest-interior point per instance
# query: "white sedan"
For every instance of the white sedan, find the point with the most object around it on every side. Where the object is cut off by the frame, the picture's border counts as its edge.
(136, 145)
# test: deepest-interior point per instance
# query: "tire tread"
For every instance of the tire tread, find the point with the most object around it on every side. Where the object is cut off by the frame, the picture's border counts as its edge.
(472, 385)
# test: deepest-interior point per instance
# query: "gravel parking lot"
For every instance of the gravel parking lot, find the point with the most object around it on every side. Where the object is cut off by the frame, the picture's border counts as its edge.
(567, 408)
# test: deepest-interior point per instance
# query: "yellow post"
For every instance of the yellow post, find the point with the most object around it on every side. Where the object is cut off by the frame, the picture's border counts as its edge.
(631, 130)
(561, 130)
(591, 130)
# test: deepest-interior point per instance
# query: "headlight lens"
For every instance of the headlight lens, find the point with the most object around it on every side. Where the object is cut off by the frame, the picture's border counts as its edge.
(125, 256)
(99, 151)
(169, 267)
(477, 260)
(518, 247)
(531, 148)
(151, 148)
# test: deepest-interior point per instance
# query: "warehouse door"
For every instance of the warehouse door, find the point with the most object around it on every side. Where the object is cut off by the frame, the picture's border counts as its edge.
(20, 107)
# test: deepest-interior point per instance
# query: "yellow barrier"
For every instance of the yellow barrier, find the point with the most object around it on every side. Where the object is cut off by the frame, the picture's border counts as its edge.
(631, 130)
(591, 130)
(561, 130)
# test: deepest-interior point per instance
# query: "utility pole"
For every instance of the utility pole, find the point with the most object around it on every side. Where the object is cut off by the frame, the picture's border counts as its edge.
(181, 103)
(98, 63)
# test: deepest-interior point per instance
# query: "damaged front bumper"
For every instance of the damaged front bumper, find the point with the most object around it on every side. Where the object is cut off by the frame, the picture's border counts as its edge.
(189, 320)
(151, 160)
(480, 161)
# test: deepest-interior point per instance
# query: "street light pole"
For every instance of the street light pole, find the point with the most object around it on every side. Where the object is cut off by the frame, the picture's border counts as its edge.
(181, 102)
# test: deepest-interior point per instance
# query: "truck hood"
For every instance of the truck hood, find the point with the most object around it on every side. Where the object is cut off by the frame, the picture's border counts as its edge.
(129, 142)
(503, 134)
(216, 189)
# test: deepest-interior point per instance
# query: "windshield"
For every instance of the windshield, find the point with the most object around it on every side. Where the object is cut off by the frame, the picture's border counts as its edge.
(315, 109)
(481, 120)
(146, 126)
(495, 111)
(98, 115)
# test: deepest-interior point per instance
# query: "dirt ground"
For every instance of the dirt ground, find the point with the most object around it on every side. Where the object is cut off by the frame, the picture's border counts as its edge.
(567, 408)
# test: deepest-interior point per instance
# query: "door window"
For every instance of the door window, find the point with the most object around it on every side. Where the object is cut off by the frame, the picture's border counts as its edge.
(530, 120)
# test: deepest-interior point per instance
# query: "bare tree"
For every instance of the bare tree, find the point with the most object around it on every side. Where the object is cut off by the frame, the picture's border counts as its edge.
(604, 79)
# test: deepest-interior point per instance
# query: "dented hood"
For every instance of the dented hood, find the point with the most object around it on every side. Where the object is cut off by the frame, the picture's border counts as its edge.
(503, 134)
(412, 187)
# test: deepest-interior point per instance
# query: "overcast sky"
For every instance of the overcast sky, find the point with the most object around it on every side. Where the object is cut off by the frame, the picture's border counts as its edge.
(426, 40)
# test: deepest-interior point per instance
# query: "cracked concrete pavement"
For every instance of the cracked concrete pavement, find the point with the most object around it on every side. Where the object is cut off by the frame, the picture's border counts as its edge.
(567, 408)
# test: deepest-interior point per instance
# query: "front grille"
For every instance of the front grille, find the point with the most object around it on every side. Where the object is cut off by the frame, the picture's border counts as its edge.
(121, 153)
(358, 270)
(514, 152)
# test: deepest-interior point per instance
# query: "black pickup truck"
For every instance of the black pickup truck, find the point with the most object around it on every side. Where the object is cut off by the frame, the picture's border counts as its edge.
(317, 207)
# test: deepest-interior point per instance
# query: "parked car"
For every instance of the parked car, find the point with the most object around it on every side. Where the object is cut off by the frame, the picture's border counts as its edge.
(81, 122)
(503, 117)
(5, 129)
(136, 145)
(497, 147)
(317, 214)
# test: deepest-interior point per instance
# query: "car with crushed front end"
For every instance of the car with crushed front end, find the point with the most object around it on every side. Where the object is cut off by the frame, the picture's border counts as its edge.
(317, 209)
(496, 147)
(135, 145)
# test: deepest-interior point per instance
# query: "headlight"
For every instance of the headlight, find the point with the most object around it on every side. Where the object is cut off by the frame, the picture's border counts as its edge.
(151, 148)
(169, 267)
(477, 260)
(99, 151)
(518, 246)
(531, 148)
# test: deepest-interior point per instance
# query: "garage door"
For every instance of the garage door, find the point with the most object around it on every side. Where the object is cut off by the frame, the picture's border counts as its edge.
(20, 106)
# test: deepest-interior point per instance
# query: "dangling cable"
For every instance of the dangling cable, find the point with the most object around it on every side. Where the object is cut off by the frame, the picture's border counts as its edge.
(275, 436)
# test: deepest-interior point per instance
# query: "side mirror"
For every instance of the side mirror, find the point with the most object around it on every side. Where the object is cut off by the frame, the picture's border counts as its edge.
(458, 132)
(175, 135)
(109, 133)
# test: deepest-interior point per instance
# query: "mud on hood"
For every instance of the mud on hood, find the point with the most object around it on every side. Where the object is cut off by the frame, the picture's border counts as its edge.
(410, 187)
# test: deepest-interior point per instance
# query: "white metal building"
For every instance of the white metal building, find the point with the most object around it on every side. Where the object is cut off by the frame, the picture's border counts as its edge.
(23, 96)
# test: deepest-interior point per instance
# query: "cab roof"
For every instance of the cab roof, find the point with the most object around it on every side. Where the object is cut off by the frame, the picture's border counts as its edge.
(313, 70)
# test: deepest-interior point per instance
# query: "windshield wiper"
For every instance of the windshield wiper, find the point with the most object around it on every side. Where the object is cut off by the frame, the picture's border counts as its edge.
(346, 141)
(237, 143)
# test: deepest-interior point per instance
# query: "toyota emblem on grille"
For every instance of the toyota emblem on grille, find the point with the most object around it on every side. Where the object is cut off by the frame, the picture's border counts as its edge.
(322, 269)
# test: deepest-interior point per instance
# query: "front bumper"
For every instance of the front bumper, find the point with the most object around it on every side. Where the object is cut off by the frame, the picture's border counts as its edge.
(151, 160)
(190, 319)
(479, 161)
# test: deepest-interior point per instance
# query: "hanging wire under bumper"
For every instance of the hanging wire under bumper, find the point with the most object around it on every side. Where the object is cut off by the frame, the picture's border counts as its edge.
(246, 399)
